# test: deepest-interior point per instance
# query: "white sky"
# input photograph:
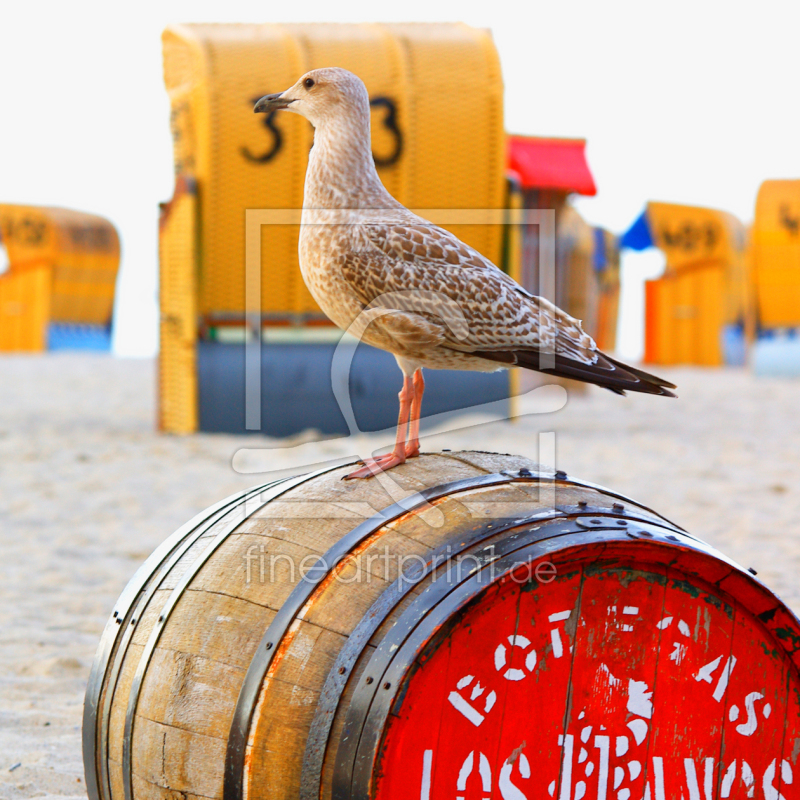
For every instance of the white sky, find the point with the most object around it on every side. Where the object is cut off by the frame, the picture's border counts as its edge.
(693, 102)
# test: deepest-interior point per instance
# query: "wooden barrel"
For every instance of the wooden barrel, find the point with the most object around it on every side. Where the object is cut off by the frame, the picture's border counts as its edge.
(467, 627)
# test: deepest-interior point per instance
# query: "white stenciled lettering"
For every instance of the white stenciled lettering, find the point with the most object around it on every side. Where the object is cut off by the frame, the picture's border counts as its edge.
(706, 673)
(566, 766)
(748, 727)
(727, 781)
(501, 658)
(464, 706)
(603, 744)
(464, 773)
(748, 779)
(691, 779)
(427, 770)
(619, 775)
(630, 611)
(708, 778)
(677, 655)
(719, 692)
(658, 777)
(639, 699)
(484, 772)
(555, 633)
(768, 784)
(638, 728)
(508, 790)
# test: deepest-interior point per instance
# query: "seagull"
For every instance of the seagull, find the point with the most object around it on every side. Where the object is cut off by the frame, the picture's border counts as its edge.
(412, 288)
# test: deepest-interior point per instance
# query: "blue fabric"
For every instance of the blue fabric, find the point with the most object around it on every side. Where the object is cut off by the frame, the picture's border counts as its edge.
(599, 260)
(68, 336)
(734, 346)
(638, 236)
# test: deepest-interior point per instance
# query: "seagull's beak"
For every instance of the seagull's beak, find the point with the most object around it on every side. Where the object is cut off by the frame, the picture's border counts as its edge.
(272, 102)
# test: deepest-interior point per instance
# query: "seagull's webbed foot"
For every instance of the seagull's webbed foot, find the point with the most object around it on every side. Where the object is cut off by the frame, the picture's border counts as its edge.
(373, 466)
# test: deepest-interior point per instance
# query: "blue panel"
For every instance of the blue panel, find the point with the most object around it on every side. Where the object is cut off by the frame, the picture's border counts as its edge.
(734, 346)
(68, 336)
(599, 260)
(638, 236)
(296, 392)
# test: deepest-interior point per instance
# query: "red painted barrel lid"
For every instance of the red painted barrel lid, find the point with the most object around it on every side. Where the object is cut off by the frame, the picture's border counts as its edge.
(639, 672)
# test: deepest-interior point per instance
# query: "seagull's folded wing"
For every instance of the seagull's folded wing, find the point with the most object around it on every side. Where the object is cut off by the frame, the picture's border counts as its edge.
(435, 286)
(431, 276)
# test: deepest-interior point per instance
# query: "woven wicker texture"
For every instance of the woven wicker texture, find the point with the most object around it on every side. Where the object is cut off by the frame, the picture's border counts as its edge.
(776, 253)
(456, 126)
(24, 310)
(80, 253)
(705, 285)
(177, 358)
(684, 315)
(431, 154)
(691, 235)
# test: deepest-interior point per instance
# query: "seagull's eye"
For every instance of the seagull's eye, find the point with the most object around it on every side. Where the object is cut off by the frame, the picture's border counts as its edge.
(308, 83)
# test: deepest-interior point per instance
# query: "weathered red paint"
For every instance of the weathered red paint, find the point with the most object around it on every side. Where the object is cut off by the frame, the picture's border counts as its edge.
(629, 677)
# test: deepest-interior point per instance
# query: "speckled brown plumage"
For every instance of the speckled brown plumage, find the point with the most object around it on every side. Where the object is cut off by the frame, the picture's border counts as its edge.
(407, 286)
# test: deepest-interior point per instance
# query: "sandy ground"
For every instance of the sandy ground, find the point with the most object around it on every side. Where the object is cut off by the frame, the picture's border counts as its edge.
(88, 489)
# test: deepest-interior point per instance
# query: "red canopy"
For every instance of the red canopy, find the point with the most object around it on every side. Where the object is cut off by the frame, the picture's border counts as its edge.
(551, 164)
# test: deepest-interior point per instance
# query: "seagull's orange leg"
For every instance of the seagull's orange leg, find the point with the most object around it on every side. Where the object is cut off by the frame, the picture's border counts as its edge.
(412, 449)
(372, 466)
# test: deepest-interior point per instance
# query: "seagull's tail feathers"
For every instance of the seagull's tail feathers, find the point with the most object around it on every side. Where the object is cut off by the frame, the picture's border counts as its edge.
(605, 371)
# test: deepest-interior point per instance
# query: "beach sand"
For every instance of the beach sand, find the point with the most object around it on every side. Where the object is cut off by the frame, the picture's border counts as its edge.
(88, 489)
